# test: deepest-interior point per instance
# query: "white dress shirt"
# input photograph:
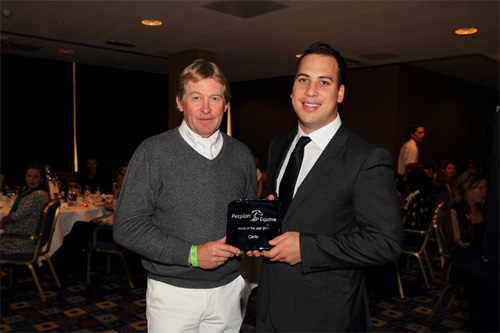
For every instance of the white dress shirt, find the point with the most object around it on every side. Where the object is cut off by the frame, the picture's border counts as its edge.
(407, 154)
(319, 140)
(199, 143)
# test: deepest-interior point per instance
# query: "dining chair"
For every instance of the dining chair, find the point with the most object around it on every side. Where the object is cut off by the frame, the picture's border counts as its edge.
(418, 247)
(398, 280)
(438, 197)
(444, 252)
(42, 239)
(108, 247)
(454, 282)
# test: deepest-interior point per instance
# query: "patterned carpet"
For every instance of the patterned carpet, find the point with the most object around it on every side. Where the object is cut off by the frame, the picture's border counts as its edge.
(108, 304)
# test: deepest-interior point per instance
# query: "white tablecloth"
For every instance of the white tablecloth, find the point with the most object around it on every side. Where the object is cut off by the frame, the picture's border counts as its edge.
(67, 218)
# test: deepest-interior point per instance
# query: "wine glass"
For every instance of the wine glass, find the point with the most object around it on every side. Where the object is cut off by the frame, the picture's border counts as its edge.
(17, 189)
(86, 192)
(7, 189)
(72, 194)
(98, 190)
(11, 197)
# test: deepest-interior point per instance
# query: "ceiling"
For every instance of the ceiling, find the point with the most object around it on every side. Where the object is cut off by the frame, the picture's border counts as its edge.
(258, 39)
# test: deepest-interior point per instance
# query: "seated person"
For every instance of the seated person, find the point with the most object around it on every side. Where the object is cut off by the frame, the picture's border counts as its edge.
(445, 177)
(92, 176)
(463, 221)
(25, 213)
(419, 204)
(402, 182)
(420, 200)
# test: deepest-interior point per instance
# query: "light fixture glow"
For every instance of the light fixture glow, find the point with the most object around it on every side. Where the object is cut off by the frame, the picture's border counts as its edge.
(465, 31)
(66, 51)
(151, 22)
(298, 55)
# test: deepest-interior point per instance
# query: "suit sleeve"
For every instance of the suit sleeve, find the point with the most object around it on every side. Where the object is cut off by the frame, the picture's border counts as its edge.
(372, 232)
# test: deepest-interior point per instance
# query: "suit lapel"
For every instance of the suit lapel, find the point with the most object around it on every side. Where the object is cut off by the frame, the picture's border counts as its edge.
(333, 151)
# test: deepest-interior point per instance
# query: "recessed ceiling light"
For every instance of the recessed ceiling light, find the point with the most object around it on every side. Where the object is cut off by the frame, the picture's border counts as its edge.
(152, 22)
(466, 31)
(66, 51)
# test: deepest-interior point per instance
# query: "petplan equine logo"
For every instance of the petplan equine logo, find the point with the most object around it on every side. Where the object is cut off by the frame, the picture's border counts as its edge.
(255, 216)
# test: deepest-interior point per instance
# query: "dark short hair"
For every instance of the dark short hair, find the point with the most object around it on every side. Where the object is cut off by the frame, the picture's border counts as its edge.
(326, 50)
(413, 128)
(201, 69)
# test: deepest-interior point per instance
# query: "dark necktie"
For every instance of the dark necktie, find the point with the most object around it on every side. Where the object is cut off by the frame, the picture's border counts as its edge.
(289, 179)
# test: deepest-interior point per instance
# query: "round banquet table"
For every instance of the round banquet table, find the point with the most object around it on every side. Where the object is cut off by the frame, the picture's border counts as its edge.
(68, 216)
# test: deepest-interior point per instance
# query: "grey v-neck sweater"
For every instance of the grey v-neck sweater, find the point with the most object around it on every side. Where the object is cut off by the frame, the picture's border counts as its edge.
(173, 197)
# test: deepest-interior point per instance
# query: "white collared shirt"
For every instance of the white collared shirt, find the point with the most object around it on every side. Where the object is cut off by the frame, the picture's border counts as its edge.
(195, 140)
(319, 140)
(407, 154)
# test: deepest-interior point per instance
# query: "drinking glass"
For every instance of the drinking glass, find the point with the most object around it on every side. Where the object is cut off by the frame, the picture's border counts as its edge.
(72, 195)
(17, 189)
(98, 190)
(73, 190)
(11, 197)
(86, 192)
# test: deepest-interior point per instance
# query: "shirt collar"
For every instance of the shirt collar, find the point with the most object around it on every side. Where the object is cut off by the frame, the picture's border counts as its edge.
(321, 137)
(193, 139)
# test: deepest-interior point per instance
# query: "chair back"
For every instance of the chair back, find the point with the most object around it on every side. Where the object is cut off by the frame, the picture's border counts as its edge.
(45, 228)
(442, 196)
(437, 223)
(48, 224)
(420, 236)
(104, 245)
(438, 206)
(44, 223)
(427, 227)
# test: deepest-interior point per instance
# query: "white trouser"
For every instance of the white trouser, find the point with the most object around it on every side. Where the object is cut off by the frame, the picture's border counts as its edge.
(174, 309)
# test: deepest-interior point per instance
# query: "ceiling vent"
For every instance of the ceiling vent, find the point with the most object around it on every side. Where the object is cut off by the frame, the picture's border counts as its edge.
(245, 9)
(351, 62)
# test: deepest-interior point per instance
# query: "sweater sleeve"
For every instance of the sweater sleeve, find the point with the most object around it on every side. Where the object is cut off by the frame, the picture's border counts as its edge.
(133, 222)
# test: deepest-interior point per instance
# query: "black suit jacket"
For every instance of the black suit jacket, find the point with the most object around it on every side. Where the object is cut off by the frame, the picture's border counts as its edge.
(348, 216)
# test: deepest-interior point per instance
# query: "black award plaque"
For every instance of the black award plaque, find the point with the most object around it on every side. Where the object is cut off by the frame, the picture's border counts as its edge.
(252, 223)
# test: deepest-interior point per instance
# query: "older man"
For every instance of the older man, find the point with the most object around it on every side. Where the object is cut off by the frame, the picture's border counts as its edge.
(172, 210)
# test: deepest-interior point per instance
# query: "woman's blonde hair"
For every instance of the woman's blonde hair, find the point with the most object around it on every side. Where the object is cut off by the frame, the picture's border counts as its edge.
(466, 182)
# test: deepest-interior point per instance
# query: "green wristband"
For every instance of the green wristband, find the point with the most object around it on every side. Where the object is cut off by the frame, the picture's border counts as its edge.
(194, 255)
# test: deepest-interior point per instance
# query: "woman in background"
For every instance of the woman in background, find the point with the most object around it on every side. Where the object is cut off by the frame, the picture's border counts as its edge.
(463, 220)
(25, 213)
(445, 177)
